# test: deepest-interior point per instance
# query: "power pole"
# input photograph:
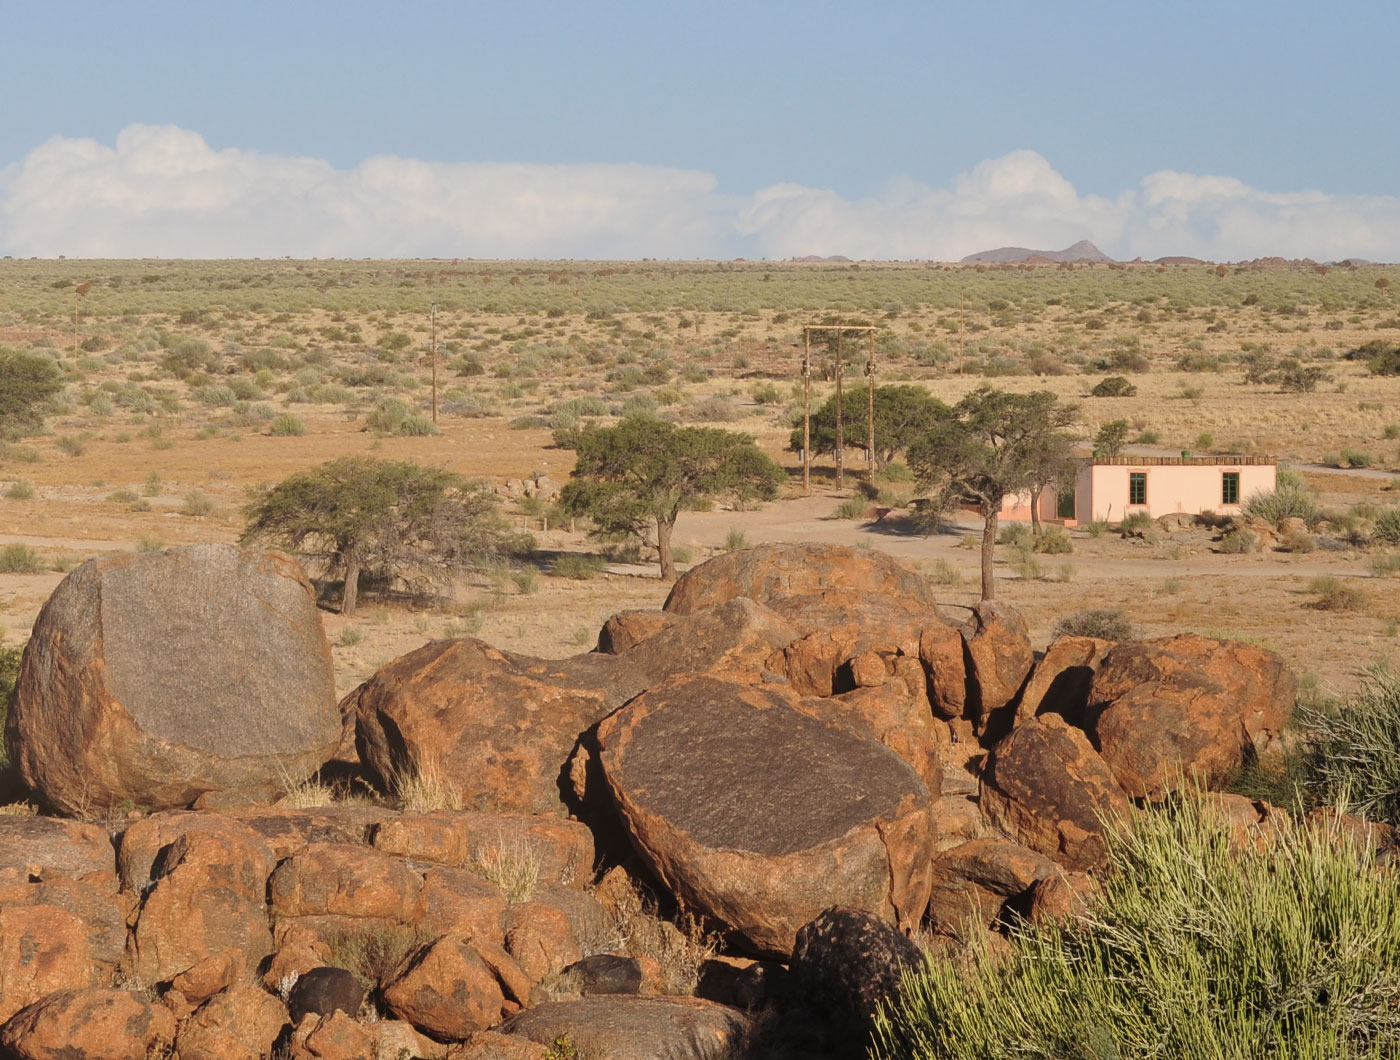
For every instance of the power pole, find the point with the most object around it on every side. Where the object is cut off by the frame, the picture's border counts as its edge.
(870, 405)
(806, 412)
(840, 454)
(433, 343)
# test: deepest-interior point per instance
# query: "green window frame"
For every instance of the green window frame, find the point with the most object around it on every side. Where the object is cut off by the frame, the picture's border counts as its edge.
(1230, 487)
(1137, 487)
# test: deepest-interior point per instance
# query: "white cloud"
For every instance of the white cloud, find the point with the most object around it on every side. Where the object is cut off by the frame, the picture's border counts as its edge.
(162, 191)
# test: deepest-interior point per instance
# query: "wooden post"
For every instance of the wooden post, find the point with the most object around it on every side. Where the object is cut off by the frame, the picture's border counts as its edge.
(840, 455)
(433, 343)
(806, 412)
(961, 316)
(870, 405)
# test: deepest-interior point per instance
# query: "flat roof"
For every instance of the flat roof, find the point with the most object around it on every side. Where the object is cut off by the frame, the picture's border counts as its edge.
(1213, 460)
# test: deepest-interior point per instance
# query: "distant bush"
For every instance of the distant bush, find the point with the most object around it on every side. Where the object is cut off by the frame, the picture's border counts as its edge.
(1387, 528)
(580, 568)
(1381, 357)
(1104, 623)
(713, 409)
(1239, 541)
(20, 490)
(1114, 386)
(1200, 944)
(1333, 594)
(285, 425)
(1053, 541)
(1136, 522)
(19, 559)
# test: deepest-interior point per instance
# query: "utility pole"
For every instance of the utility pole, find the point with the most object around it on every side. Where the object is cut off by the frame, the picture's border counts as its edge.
(806, 412)
(840, 453)
(433, 343)
(80, 289)
(870, 405)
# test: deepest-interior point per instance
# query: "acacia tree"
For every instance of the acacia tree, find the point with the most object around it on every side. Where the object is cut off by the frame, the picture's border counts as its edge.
(633, 479)
(989, 446)
(902, 414)
(358, 513)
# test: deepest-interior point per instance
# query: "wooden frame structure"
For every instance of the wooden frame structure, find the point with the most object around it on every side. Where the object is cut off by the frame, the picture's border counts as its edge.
(840, 330)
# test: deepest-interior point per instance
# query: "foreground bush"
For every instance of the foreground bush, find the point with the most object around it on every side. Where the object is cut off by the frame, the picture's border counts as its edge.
(1354, 747)
(1201, 947)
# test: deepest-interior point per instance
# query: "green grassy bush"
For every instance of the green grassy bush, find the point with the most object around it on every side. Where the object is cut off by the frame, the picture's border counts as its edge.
(1104, 623)
(1387, 528)
(1354, 747)
(19, 559)
(1200, 946)
(1290, 498)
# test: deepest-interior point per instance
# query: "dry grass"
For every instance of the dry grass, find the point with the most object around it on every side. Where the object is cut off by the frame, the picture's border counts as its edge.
(511, 864)
(425, 787)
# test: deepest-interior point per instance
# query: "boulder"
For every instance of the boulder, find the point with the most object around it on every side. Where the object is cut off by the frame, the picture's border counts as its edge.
(1060, 682)
(847, 963)
(89, 1024)
(620, 1027)
(561, 851)
(541, 938)
(761, 816)
(46, 847)
(94, 900)
(290, 831)
(810, 585)
(606, 973)
(501, 727)
(1046, 786)
(334, 1037)
(448, 990)
(981, 882)
(210, 898)
(152, 678)
(944, 655)
(242, 1023)
(460, 902)
(1063, 896)
(999, 656)
(335, 879)
(1185, 706)
(142, 848)
(42, 949)
(627, 629)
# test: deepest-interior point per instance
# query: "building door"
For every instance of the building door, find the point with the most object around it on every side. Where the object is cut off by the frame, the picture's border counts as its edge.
(1064, 506)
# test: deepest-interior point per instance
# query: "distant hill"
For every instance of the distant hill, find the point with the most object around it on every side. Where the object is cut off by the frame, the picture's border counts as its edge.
(1081, 251)
(818, 258)
(1178, 259)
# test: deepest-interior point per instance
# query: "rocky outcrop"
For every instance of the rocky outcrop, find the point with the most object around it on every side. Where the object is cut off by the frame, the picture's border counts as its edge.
(999, 657)
(153, 678)
(635, 1028)
(90, 1024)
(1061, 680)
(981, 882)
(761, 816)
(848, 962)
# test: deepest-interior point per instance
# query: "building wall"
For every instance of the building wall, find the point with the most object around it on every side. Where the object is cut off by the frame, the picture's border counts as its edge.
(1188, 488)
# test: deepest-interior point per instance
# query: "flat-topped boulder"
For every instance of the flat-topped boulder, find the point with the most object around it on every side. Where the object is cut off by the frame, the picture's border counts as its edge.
(500, 726)
(760, 815)
(811, 585)
(622, 1027)
(153, 678)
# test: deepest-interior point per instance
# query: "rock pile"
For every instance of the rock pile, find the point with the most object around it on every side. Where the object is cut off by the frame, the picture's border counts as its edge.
(800, 761)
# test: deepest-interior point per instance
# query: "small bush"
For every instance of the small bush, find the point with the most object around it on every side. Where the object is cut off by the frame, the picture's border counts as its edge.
(1096, 527)
(285, 425)
(1114, 386)
(375, 954)
(945, 573)
(1387, 528)
(851, 508)
(578, 567)
(1333, 594)
(1289, 499)
(513, 865)
(197, 504)
(1239, 541)
(736, 539)
(1054, 541)
(20, 490)
(1135, 523)
(425, 788)
(19, 559)
(1385, 566)
(1104, 623)
(1353, 752)
(1016, 535)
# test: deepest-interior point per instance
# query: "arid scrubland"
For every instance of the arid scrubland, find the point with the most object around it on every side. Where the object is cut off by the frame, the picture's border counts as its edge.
(186, 384)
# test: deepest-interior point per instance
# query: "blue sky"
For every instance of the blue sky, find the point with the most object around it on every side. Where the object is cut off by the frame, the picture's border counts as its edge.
(896, 129)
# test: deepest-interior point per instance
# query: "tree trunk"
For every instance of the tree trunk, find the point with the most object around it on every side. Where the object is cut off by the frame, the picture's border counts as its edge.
(1035, 509)
(989, 541)
(663, 548)
(352, 586)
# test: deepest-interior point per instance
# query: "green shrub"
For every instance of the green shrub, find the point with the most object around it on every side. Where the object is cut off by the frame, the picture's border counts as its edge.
(1289, 499)
(1387, 528)
(578, 567)
(1017, 535)
(1353, 747)
(285, 425)
(19, 559)
(197, 504)
(1199, 945)
(1114, 386)
(1239, 541)
(851, 508)
(1104, 623)
(736, 539)
(20, 490)
(1135, 522)
(1054, 541)
(9, 674)
(1333, 594)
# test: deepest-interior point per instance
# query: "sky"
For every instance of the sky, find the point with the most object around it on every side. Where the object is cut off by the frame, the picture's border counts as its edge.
(896, 130)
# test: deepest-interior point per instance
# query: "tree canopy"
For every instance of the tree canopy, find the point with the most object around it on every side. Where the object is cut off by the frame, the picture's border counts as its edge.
(992, 445)
(358, 513)
(26, 383)
(902, 414)
(636, 477)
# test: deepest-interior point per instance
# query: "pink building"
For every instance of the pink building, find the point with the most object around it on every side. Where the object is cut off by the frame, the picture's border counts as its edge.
(1110, 488)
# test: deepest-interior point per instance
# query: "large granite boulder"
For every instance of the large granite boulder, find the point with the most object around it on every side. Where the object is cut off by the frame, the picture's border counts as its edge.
(1061, 680)
(622, 1027)
(811, 585)
(89, 1024)
(153, 678)
(1045, 785)
(1185, 707)
(500, 727)
(761, 816)
(999, 657)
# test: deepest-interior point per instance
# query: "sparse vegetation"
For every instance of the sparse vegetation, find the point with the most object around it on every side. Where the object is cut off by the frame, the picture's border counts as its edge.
(1104, 623)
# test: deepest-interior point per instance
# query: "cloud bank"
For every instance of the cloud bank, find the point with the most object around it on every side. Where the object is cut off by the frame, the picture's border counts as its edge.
(162, 191)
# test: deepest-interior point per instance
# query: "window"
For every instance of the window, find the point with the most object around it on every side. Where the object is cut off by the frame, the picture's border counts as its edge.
(1230, 487)
(1137, 487)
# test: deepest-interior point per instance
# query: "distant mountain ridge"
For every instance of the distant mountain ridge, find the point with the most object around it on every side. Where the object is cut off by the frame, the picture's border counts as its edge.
(1081, 251)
